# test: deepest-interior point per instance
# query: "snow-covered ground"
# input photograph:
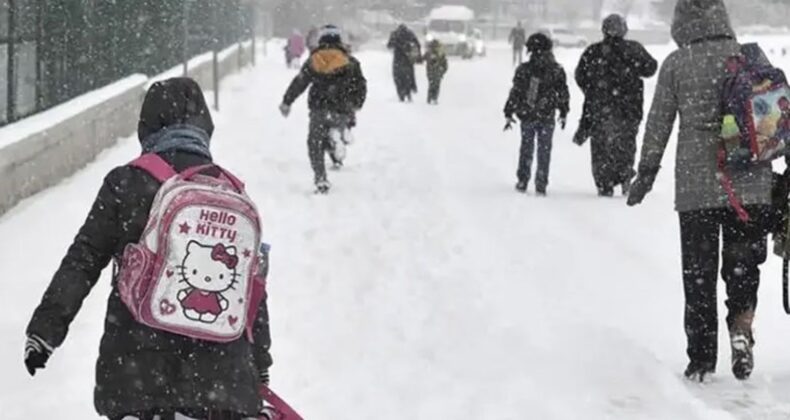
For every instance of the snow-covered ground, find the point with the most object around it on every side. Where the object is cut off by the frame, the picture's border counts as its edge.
(424, 287)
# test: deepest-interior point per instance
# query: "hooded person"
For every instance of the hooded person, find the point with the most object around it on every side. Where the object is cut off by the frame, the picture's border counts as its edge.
(690, 84)
(338, 90)
(142, 372)
(539, 92)
(436, 67)
(406, 51)
(517, 39)
(610, 75)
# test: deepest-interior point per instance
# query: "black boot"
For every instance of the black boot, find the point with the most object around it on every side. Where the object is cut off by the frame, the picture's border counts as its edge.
(522, 186)
(698, 372)
(742, 345)
(742, 356)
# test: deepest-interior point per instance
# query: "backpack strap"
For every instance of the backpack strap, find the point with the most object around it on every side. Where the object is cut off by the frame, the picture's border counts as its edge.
(155, 166)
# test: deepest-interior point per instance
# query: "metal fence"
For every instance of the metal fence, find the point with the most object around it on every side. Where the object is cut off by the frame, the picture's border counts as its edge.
(54, 50)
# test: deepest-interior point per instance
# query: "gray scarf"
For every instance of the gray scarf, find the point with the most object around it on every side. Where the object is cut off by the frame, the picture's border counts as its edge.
(180, 138)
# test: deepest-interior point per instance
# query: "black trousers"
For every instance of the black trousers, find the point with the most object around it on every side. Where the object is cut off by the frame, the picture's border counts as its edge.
(613, 147)
(434, 86)
(743, 250)
(319, 140)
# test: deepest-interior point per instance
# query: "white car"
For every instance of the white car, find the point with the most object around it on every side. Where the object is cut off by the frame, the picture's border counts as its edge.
(563, 37)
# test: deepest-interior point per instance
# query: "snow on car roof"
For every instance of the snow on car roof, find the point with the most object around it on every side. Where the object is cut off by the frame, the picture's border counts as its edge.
(452, 13)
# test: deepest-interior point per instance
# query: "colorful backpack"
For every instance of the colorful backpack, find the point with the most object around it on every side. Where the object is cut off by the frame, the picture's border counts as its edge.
(195, 270)
(756, 123)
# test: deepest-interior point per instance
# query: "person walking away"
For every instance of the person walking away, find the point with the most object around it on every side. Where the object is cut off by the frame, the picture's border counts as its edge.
(517, 39)
(337, 92)
(540, 89)
(690, 84)
(406, 51)
(610, 75)
(143, 372)
(436, 65)
(294, 49)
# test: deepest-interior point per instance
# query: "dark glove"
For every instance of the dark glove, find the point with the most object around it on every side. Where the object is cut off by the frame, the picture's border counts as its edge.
(642, 186)
(265, 378)
(509, 123)
(37, 353)
(580, 137)
(563, 120)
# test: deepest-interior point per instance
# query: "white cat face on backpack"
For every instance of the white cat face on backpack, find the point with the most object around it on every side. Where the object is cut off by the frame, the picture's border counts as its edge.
(209, 268)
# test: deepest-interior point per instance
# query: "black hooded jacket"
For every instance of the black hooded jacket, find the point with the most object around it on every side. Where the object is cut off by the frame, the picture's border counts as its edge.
(140, 368)
(540, 88)
(610, 74)
(335, 79)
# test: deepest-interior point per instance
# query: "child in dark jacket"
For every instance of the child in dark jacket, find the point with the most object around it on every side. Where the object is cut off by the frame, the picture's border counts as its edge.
(144, 372)
(539, 90)
(338, 90)
(436, 65)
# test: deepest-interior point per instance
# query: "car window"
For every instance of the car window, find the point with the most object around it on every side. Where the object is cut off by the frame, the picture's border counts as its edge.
(446, 26)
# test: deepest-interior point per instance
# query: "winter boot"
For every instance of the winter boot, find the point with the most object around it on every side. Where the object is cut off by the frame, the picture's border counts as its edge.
(606, 192)
(322, 187)
(742, 344)
(699, 372)
(521, 186)
(626, 188)
(540, 191)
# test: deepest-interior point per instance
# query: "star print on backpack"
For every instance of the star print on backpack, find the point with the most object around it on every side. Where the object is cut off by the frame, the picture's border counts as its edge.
(195, 270)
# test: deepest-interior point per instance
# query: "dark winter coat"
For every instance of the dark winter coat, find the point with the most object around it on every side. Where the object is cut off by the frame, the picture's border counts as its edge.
(540, 88)
(140, 368)
(689, 85)
(335, 79)
(610, 74)
(518, 37)
(406, 50)
(436, 63)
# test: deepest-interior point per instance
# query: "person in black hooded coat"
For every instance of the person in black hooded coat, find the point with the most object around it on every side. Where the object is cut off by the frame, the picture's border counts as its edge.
(610, 75)
(540, 90)
(143, 372)
(406, 50)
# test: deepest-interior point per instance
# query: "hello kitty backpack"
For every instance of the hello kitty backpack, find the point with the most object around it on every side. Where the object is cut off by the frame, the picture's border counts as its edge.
(195, 270)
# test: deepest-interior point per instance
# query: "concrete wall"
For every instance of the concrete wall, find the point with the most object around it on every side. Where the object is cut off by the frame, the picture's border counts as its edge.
(40, 151)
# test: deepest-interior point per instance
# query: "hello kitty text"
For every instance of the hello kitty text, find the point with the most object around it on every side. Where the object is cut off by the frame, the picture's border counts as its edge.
(218, 225)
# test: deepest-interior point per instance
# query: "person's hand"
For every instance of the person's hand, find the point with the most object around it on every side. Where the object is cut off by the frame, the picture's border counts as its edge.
(509, 123)
(642, 186)
(563, 120)
(285, 110)
(269, 413)
(265, 378)
(580, 137)
(37, 353)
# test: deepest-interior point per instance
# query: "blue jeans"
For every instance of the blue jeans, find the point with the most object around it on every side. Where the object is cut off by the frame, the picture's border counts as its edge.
(544, 133)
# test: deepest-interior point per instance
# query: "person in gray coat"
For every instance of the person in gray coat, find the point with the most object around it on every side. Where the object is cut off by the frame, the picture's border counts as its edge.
(689, 84)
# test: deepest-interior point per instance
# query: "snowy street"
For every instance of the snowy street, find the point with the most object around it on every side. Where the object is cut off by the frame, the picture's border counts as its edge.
(423, 286)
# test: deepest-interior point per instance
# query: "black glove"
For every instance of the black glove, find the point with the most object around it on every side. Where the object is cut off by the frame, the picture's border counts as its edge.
(581, 137)
(642, 186)
(265, 378)
(509, 123)
(37, 353)
(563, 120)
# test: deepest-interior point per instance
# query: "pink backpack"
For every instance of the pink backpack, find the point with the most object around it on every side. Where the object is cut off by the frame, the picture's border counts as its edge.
(195, 270)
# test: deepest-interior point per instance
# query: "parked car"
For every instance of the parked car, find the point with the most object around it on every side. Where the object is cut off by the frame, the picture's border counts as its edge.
(564, 37)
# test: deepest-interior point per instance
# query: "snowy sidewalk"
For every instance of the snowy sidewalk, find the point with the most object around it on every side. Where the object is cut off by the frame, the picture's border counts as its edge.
(423, 287)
